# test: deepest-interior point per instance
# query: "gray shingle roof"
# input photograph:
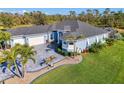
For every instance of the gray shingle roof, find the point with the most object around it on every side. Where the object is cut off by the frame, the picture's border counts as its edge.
(79, 28)
(76, 28)
(29, 30)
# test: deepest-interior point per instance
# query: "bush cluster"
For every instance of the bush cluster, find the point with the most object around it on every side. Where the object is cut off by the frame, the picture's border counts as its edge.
(109, 41)
(65, 53)
(122, 34)
(95, 47)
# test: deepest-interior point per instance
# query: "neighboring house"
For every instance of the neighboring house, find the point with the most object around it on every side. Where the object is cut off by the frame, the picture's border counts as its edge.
(72, 35)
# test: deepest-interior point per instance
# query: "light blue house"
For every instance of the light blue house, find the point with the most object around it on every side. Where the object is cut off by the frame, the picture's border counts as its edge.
(71, 35)
(76, 36)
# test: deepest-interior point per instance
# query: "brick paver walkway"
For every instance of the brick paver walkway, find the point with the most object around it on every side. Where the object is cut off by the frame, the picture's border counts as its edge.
(29, 77)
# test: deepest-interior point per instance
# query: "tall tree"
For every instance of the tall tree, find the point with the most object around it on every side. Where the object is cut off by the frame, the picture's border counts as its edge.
(72, 14)
(11, 57)
(19, 54)
(27, 54)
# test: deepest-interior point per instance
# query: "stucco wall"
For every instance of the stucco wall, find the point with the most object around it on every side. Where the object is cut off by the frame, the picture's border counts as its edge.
(64, 45)
(31, 39)
(91, 40)
(19, 40)
(80, 45)
(71, 48)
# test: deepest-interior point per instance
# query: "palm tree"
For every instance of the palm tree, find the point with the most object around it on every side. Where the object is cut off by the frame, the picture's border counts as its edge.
(11, 56)
(27, 54)
(2, 60)
(20, 53)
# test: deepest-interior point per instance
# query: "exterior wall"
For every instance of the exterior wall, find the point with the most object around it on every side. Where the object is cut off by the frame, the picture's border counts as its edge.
(70, 48)
(106, 35)
(91, 40)
(32, 39)
(15, 40)
(100, 38)
(64, 45)
(67, 47)
(80, 45)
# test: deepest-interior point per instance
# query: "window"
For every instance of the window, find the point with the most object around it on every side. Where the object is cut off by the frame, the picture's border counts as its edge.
(51, 37)
(71, 43)
(60, 34)
(64, 42)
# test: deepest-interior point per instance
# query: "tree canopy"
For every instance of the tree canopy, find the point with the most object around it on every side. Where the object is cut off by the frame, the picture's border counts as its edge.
(92, 16)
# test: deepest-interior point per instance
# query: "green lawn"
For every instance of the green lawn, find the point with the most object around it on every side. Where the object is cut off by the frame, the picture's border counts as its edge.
(104, 67)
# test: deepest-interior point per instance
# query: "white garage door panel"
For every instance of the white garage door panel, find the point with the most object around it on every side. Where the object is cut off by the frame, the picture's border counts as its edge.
(36, 40)
(20, 41)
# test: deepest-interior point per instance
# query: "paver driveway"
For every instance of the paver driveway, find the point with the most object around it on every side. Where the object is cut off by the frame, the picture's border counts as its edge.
(41, 54)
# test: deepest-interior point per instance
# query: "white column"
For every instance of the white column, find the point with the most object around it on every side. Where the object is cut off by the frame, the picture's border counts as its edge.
(87, 42)
(26, 41)
(11, 42)
(97, 39)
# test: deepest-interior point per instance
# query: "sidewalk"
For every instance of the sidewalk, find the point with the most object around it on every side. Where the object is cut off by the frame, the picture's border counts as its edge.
(29, 77)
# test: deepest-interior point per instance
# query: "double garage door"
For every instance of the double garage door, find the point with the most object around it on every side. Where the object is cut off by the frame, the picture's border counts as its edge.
(36, 40)
(32, 41)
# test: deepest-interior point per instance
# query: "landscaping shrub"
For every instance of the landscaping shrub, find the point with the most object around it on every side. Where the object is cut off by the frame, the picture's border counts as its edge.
(118, 36)
(65, 53)
(122, 34)
(122, 38)
(59, 50)
(94, 48)
(109, 41)
(71, 53)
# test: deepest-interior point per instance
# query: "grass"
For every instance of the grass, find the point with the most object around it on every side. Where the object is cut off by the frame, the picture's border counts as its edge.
(104, 67)
(14, 27)
(19, 26)
(120, 30)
